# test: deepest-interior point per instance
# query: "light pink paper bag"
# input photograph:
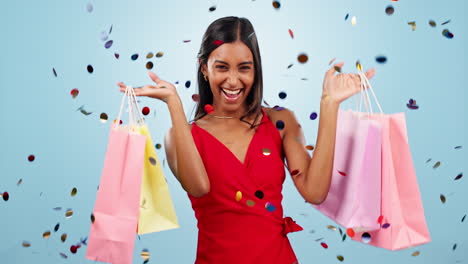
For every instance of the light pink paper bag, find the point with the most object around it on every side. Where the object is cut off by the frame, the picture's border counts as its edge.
(112, 234)
(353, 200)
(403, 221)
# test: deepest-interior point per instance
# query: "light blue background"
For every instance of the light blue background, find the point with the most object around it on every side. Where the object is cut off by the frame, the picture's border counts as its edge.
(39, 117)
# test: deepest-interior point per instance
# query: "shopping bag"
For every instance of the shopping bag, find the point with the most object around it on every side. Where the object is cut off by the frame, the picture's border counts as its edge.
(157, 211)
(353, 200)
(112, 233)
(403, 223)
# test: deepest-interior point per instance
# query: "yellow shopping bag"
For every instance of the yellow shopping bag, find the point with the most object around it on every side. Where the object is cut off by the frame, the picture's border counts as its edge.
(157, 211)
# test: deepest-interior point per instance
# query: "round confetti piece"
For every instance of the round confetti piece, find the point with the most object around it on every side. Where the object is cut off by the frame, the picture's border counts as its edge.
(324, 245)
(291, 33)
(432, 23)
(195, 97)
(294, 172)
(63, 237)
(366, 238)
(381, 59)
(212, 8)
(217, 42)
(353, 20)
(158, 146)
(74, 93)
(446, 33)
(250, 203)
(340, 258)
(73, 249)
(46, 234)
(266, 152)
(270, 207)
(26, 244)
(442, 198)
(5, 196)
(69, 213)
(302, 58)
(238, 196)
(436, 165)
(187, 84)
(152, 161)
(89, 7)
(386, 225)
(380, 219)
(108, 44)
(145, 254)
(309, 147)
(350, 232)
(134, 57)
(90, 68)
(145, 110)
(149, 65)
(159, 54)
(208, 108)
(276, 4)
(389, 10)
(313, 116)
(103, 117)
(446, 22)
(279, 124)
(149, 55)
(282, 95)
(57, 226)
(116, 55)
(278, 108)
(31, 158)
(415, 254)
(259, 194)
(92, 218)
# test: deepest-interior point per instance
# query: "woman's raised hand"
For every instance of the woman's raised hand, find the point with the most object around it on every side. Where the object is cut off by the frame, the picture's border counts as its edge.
(163, 90)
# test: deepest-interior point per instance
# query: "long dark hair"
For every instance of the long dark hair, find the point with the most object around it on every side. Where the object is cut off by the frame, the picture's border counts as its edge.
(230, 29)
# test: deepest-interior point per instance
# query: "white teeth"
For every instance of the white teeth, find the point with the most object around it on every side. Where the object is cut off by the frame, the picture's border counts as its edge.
(230, 92)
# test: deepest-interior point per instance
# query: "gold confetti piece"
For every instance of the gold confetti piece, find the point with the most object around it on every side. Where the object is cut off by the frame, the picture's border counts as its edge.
(331, 227)
(159, 54)
(266, 152)
(145, 254)
(415, 254)
(46, 234)
(69, 213)
(103, 117)
(353, 21)
(358, 66)
(73, 192)
(149, 55)
(250, 203)
(436, 165)
(432, 23)
(238, 196)
(340, 258)
(413, 25)
(442, 198)
(63, 237)
(26, 244)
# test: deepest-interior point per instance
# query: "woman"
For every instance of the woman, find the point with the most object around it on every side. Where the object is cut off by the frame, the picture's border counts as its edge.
(230, 159)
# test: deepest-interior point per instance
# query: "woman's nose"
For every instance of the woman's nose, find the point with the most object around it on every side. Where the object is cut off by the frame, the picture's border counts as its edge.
(232, 79)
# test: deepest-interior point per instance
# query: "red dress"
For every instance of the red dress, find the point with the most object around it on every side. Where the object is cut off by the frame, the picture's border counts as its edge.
(240, 221)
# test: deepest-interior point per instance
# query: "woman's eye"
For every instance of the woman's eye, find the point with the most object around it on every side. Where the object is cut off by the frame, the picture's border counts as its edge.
(221, 67)
(245, 68)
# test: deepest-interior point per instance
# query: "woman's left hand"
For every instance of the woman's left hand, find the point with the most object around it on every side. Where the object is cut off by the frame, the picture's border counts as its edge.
(341, 86)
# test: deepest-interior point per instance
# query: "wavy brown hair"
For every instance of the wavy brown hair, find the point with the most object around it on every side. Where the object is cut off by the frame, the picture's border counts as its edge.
(230, 29)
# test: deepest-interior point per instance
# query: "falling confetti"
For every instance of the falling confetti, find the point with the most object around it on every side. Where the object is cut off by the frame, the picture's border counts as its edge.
(187, 84)
(324, 245)
(413, 25)
(442, 198)
(186, 41)
(218, 42)
(116, 55)
(84, 112)
(291, 33)
(358, 66)
(74, 191)
(26, 244)
(55, 73)
(436, 165)
(152, 161)
(446, 33)
(282, 95)
(238, 196)
(302, 58)
(19, 182)
(68, 213)
(208, 108)
(145, 110)
(346, 17)
(446, 22)
(350, 232)
(31, 158)
(89, 7)
(5, 196)
(57, 226)
(46, 234)
(92, 218)
(454, 246)
(353, 20)
(458, 147)
(386, 225)
(415, 254)
(90, 68)
(313, 116)
(266, 151)
(195, 97)
(309, 147)
(73, 249)
(389, 10)
(145, 254)
(337, 69)
(74, 93)
(108, 44)
(459, 176)
(159, 54)
(211, 9)
(103, 117)
(276, 4)
(250, 203)
(331, 227)
(270, 207)
(279, 124)
(158, 146)
(432, 23)
(63, 238)
(366, 238)
(340, 258)
(149, 55)
(381, 59)
(149, 65)
(463, 218)
(290, 65)
(259, 194)
(134, 57)
(342, 173)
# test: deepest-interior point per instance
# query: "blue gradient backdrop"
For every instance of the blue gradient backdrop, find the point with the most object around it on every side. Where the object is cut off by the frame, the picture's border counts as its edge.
(39, 117)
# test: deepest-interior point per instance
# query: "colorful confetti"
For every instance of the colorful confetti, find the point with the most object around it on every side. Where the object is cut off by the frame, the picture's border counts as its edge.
(446, 33)
(145, 254)
(276, 4)
(63, 237)
(279, 124)
(90, 68)
(134, 57)
(282, 95)
(55, 73)
(145, 110)
(108, 44)
(26, 244)
(31, 158)
(89, 7)
(342, 173)
(83, 111)
(195, 97)
(386, 225)
(152, 161)
(459, 176)
(103, 117)
(413, 25)
(350, 232)
(436, 165)
(69, 213)
(366, 238)
(57, 226)
(238, 196)
(415, 254)
(381, 59)
(187, 84)
(313, 116)
(353, 20)
(259, 194)
(250, 203)
(218, 42)
(291, 33)
(442, 198)
(208, 108)
(270, 207)
(432, 23)
(5, 196)
(149, 65)
(46, 234)
(74, 93)
(211, 9)
(389, 10)
(159, 54)
(266, 152)
(340, 258)
(302, 58)
(324, 245)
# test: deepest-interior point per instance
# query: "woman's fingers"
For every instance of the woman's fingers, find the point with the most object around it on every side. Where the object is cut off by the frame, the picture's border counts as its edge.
(370, 73)
(154, 77)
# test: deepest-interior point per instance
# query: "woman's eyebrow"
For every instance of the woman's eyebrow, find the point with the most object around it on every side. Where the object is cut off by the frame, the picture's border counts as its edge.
(242, 63)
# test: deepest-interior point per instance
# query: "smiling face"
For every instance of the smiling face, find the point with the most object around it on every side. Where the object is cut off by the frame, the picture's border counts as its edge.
(230, 72)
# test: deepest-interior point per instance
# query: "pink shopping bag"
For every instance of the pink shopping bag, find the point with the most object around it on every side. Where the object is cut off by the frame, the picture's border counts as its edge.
(403, 221)
(112, 234)
(353, 200)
